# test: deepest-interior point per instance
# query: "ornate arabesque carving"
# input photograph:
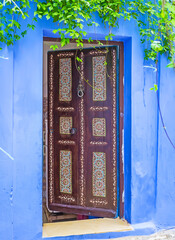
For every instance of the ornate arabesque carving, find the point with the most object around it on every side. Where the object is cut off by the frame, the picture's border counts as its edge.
(66, 142)
(82, 126)
(67, 54)
(98, 202)
(66, 171)
(65, 109)
(99, 127)
(65, 79)
(99, 78)
(98, 109)
(67, 198)
(99, 174)
(82, 135)
(51, 133)
(98, 143)
(65, 125)
(98, 52)
(114, 118)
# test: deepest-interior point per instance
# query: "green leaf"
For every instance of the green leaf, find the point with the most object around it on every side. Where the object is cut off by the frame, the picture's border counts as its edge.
(156, 46)
(54, 47)
(34, 19)
(155, 88)
(79, 59)
(171, 65)
(99, 43)
(24, 33)
(55, 31)
(90, 40)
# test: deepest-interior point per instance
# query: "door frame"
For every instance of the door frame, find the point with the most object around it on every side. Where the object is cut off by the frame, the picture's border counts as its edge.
(120, 154)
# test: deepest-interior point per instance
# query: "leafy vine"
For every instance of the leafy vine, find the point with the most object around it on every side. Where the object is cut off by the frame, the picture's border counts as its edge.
(156, 21)
(10, 13)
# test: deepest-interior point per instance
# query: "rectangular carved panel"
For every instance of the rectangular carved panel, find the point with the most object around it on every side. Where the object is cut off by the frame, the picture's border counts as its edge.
(66, 171)
(65, 81)
(65, 125)
(99, 174)
(99, 78)
(99, 127)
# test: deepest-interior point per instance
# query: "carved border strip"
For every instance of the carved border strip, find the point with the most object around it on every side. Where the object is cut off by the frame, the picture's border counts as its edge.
(114, 159)
(98, 143)
(51, 132)
(67, 54)
(82, 134)
(65, 109)
(99, 109)
(99, 202)
(98, 52)
(67, 198)
(66, 142)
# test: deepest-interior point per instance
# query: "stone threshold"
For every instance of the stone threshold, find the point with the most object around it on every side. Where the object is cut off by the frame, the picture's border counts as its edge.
(83, 227)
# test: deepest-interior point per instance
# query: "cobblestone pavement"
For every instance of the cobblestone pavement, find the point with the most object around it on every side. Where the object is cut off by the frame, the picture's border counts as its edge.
(162, 235)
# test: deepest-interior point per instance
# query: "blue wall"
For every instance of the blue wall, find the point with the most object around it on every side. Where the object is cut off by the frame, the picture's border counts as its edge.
(6, 143)
(149, 159)
(165, 201)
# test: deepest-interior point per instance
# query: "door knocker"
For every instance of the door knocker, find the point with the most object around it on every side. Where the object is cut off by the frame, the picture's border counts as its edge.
(80, 90)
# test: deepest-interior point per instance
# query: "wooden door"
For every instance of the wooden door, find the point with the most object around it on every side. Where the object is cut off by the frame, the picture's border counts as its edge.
(82, 166)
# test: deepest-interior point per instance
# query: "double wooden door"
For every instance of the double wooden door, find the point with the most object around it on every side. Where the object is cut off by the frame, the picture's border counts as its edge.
(82, 107)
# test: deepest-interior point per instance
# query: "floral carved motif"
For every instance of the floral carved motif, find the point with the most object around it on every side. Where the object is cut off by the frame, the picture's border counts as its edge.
(65, 54)
(98, 109)
(67, 198)
(51, 134)
(99, 174)
(114, 118)
(98, 52)
(65, 125)
(99, 78)
(65, 109)
(98, 202)
(65, 171)
(99, 127)
(98, 143)
(82, 136)
(65, 79)
(66, 142)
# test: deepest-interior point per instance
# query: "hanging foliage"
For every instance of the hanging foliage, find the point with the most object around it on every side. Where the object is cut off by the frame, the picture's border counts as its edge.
(156, 21)
(10, 13)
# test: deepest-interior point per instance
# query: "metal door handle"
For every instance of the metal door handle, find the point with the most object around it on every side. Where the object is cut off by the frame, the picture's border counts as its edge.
(80, 90)
(73, 131)
(80, 93)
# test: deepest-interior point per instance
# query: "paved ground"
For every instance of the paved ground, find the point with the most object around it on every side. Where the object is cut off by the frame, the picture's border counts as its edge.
(162, 235)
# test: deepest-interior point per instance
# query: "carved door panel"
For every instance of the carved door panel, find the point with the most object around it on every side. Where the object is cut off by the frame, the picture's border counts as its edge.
(82, 166)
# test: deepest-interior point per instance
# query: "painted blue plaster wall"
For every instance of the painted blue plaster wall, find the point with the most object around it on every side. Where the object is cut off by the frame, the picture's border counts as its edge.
(165, 212)
(6, 144)
(28, 137)
(147, 191)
